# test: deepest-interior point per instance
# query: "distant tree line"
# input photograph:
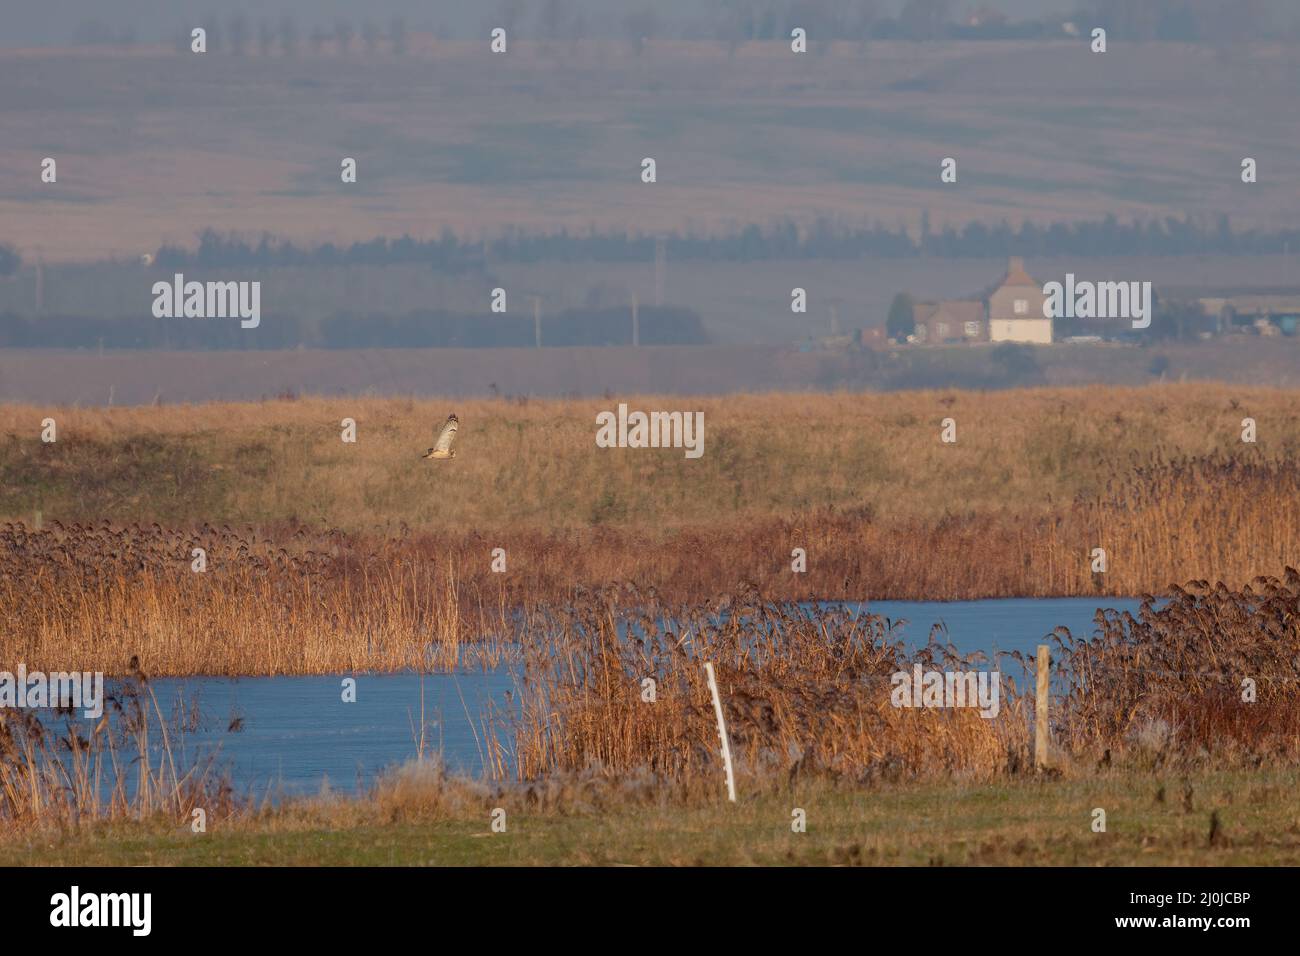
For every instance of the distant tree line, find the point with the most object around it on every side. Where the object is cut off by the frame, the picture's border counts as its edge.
(9, 260)
(239, 35)
(1212, 21)
(861, 20)
(729, 21)
(1106, 237)
(344, 330)
(1176, 20)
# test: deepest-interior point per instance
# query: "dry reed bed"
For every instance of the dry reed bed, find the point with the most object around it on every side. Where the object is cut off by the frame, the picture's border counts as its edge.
(125, 766)
(806, 694)
(808, 691)
(95, 597)
(805, 691)
(1176, 681)
(286, 600)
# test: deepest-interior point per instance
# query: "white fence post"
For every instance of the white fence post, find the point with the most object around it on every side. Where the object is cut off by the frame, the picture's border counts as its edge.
(1042, 719)
(722, 732)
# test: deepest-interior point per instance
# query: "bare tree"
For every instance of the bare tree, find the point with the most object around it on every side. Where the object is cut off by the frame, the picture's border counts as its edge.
(867, 15)
(265, 37)
(1229, 26)
(213, 31)
(238, 35)
(370, 37)
(552, 19)
(287, 33)
(10, 260)
(925, 19)
(1133, 21)
(397, 35)
(508, 15)
(640, 26)
(343, 35)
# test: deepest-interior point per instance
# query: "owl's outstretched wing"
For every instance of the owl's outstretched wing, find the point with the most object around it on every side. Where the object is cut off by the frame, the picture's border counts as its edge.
(447, 437)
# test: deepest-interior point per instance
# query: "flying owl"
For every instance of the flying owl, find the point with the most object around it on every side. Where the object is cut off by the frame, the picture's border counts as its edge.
(444, 448)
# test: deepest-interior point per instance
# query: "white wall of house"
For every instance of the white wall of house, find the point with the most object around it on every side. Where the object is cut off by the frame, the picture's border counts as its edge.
(1033, 331)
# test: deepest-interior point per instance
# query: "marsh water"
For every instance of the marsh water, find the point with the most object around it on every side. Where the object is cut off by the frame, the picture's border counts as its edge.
(290, 735)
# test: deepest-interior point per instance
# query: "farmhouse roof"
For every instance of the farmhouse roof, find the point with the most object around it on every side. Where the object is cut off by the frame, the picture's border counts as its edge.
(1016, 274)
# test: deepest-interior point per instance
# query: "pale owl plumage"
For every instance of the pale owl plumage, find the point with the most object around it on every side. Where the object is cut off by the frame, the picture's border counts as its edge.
(445, 445)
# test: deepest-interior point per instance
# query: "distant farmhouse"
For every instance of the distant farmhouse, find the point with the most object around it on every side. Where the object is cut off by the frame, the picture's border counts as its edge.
(956, 320)
(1011, 311)
(1016, 308)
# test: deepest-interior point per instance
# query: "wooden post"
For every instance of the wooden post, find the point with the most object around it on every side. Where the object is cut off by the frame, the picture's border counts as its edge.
(1042, 727)
(38, 521)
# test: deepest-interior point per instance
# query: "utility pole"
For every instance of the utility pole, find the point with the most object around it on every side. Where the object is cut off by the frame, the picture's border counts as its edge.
(40, 284)
(636, 331)
(537, 320)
